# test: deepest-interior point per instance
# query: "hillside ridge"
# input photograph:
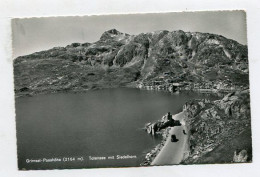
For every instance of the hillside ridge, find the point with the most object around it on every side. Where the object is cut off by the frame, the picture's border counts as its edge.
(155, 59)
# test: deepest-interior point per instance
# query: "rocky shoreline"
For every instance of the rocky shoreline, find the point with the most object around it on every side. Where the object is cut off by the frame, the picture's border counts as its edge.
(152, 128)
(162, 127)
(24, 92)
(44, 92)
(212, 125)
(150, 156)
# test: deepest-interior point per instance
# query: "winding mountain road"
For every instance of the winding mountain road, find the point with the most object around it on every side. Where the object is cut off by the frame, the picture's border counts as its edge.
(173, 152)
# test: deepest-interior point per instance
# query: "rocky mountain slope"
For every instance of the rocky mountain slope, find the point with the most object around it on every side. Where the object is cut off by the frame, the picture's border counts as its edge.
(193, 60)
(220, 131)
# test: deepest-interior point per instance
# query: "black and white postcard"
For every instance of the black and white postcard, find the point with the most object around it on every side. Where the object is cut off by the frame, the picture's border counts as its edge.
(132, 90)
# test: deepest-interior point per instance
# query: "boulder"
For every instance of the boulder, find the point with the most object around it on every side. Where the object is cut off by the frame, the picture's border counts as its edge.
(240, 157)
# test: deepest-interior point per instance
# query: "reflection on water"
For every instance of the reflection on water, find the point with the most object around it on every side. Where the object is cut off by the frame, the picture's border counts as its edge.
(97, 123)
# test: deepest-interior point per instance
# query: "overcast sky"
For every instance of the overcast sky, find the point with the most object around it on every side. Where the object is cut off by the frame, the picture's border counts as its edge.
(36, 34)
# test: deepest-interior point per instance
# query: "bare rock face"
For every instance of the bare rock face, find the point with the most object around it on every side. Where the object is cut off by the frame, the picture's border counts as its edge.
(162, 123)
(235, 104)
(219, 127)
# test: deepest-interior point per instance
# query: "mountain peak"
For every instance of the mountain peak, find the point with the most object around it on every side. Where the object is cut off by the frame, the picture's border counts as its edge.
(113, 31)
(111, 34)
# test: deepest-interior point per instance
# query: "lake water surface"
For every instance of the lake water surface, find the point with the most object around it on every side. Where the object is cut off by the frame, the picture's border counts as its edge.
(98, 123)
